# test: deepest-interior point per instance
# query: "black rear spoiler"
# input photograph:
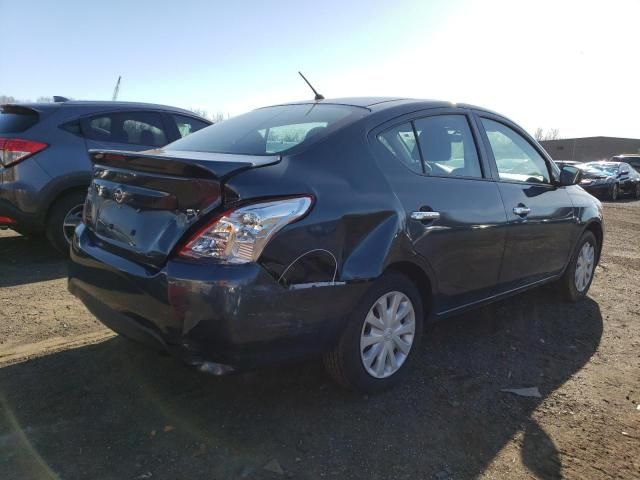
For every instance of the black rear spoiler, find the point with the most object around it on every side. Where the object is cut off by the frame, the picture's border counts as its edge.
(19, 109)
(181, 163)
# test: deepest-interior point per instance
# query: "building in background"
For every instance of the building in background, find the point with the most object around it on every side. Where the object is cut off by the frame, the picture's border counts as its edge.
(588, 149)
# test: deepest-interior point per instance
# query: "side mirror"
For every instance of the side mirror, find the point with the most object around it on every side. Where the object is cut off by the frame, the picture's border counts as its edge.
(569, 175)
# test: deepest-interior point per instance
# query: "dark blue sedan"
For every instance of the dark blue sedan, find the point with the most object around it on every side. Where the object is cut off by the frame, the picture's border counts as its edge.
(333, 227)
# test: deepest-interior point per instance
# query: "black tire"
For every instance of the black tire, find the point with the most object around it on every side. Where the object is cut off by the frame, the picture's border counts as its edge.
(615, 192)
(567, 284)
(637, 191)
(57, 214)
(344, 363)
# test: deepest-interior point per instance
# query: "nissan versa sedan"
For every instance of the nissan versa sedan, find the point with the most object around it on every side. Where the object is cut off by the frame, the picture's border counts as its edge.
(334, 227)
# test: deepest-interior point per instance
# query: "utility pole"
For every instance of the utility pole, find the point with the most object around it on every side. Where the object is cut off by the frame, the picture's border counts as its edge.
(117, 89)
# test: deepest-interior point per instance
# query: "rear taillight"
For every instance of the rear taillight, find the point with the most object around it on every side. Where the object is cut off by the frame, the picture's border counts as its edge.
(14, 150)
(240, 235)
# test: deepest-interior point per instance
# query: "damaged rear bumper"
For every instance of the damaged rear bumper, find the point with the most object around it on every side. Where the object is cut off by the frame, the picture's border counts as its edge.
(210, 315)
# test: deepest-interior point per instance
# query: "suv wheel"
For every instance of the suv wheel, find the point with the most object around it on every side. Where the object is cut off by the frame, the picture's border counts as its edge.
(637, 191)
(64, 217)
(381, 337)
(579, 274)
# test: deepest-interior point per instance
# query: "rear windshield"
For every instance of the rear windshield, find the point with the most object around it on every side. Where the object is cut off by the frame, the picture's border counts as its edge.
(270, 130)
(17, 122)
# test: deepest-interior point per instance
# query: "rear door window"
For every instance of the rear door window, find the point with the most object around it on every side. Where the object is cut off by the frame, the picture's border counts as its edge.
(16, 122)
(135, 128)
(187, 125)
(447, 146)
(439, 146)
(400, 141)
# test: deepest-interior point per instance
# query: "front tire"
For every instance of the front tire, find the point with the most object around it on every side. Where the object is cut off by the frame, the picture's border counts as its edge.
(577, 279)
(381, 337)
(637, 191)
(615, 191)
(65, 215)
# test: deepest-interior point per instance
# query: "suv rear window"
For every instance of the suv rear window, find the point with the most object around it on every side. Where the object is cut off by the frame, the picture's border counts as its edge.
(17, 120)
(136, 128)
(270, 130)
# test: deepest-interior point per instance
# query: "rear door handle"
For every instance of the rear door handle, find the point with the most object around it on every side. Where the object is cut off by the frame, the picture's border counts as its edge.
(425, 216)
(521, 210)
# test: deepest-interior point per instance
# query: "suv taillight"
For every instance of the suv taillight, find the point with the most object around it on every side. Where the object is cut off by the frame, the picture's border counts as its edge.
(14, 150)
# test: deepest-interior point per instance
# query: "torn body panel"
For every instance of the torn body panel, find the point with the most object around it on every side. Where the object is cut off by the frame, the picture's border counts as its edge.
(227, 314)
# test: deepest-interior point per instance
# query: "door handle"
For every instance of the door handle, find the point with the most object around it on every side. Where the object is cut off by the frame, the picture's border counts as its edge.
(425, 216)
(521, 210)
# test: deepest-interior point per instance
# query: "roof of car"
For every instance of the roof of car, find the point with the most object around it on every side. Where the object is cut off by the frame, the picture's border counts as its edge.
(364, 102)
(381, 103)
(42, 106)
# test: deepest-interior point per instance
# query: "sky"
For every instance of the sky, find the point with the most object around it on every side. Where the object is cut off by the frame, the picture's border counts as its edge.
(570, 65)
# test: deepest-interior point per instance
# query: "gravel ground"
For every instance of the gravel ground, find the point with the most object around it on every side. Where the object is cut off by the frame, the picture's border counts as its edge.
(76, 402)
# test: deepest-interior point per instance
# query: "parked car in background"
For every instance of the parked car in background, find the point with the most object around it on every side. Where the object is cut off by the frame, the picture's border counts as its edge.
(329, 227)
(44, 165)
(632, 159)
(562, 163)
(610, 179)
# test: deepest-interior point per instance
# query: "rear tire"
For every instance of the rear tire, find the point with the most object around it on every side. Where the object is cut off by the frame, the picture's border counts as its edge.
(395, 342)
(637, 191)
(576, 281)
(66, 209)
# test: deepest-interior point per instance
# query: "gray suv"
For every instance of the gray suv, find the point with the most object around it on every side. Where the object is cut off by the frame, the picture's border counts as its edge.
(44, 163)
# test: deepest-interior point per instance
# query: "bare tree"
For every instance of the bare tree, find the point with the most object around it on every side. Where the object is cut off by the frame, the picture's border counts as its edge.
(219, 117)
(201, 112)
(7, 99)
(553, 134)
(550, 134)
(539, 134)
(214, 117)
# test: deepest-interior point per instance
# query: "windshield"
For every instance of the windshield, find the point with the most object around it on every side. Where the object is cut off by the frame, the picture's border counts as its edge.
(270, 130)
(17, 122)
(592, 173)
(601, 168)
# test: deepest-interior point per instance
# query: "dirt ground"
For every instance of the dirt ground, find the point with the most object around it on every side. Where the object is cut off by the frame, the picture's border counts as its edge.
(77, 402)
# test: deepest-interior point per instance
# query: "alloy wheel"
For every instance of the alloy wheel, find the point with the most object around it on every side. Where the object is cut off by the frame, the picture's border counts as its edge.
(584, 266)
(387, 334)
(614, 192)
(72, 219)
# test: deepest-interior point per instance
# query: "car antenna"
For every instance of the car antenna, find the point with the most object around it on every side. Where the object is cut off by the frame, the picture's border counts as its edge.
(318, 96)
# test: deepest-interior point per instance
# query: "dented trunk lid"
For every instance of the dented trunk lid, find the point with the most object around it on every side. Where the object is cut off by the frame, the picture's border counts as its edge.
(141, 204)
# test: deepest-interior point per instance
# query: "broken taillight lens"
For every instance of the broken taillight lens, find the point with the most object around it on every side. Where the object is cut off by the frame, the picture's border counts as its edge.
(240, 235)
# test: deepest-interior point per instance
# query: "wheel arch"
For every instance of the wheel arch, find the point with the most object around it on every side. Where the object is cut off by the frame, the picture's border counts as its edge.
(420, 279)
(74, 183)
(595, 227)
